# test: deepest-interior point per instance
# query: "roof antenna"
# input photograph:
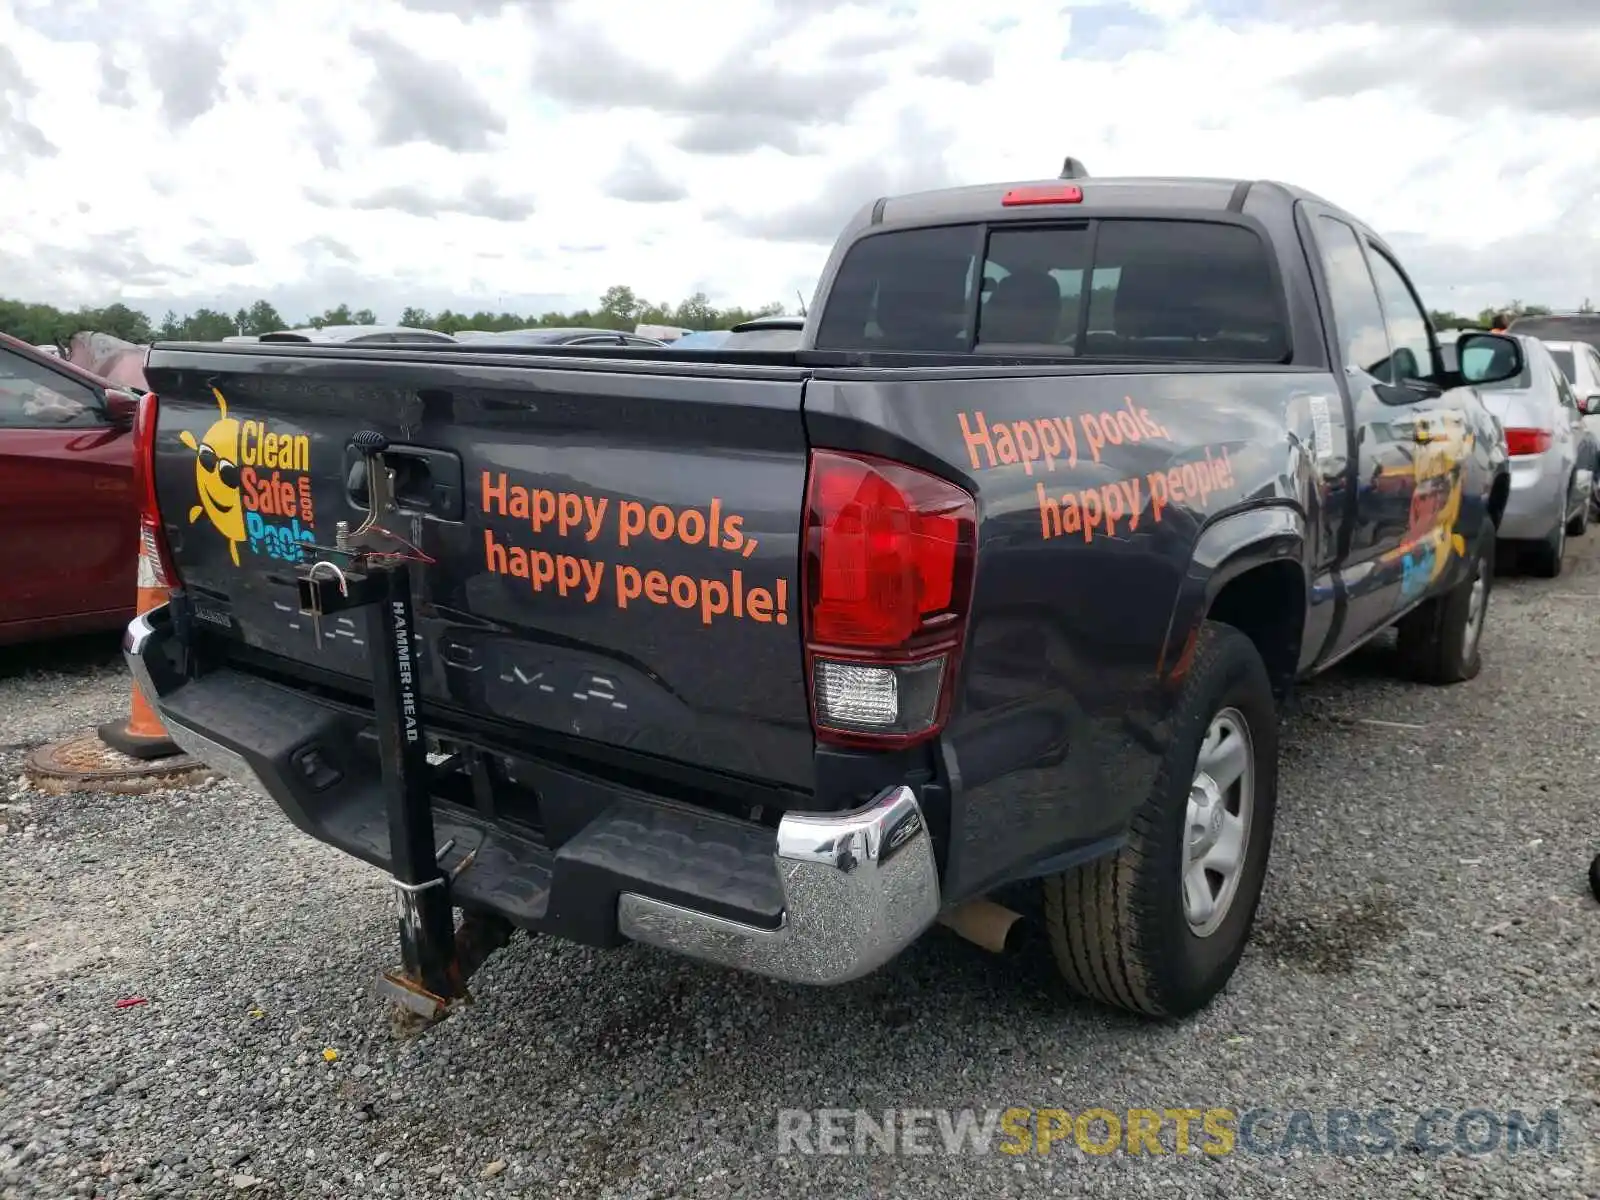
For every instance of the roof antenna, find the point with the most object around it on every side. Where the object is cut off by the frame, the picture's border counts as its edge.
(1073, 169)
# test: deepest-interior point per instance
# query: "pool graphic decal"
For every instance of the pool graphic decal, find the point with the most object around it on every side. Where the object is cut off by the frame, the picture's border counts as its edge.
(253, 485)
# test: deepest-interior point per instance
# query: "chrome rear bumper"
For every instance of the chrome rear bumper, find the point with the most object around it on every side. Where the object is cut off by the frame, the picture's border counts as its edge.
(857, 887)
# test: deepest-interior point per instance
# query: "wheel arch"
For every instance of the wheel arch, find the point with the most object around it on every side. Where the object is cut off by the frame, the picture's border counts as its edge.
(1499, 496)
(1248, 571)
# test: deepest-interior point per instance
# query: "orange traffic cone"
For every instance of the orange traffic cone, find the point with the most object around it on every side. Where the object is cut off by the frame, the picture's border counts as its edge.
(142, 735)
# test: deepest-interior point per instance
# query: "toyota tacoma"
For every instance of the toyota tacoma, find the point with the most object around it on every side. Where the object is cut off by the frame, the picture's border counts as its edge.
(997, 584)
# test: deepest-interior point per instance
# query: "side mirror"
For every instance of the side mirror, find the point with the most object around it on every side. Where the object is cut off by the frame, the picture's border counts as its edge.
(121, 408)
(1589, 406)
(1488, 357)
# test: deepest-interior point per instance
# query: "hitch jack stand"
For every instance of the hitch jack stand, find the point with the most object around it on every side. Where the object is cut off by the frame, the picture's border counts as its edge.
(436, 959)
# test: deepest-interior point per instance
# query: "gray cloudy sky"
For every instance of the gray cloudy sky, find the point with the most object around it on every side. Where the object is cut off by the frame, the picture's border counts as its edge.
(526, 154)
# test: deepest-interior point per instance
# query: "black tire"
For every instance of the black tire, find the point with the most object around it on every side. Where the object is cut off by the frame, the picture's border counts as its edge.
(1544, 558)
(1433, 636)
(1594, 876)
(1117, 927)
(1579, 525)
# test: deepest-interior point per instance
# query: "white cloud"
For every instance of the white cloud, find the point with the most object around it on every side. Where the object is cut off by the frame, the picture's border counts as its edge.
(526, 155)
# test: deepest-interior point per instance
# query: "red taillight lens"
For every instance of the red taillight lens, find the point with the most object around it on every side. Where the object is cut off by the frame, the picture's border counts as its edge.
(1527, 441)
(888, 565)
(155, 558)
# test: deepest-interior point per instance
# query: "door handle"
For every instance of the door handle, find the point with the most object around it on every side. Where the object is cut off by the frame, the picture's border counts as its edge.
(427, 481)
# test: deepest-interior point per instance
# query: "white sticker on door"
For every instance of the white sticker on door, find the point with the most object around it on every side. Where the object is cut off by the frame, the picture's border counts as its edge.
(1321, 428)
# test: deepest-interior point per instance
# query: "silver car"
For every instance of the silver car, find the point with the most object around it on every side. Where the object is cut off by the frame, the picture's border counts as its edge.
(549, 335)
(1552, 459)
(1580, 363)
(355, 335)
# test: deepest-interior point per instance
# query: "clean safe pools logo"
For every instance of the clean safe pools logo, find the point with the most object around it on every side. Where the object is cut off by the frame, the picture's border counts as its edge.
(253, 485)
(1438, 470)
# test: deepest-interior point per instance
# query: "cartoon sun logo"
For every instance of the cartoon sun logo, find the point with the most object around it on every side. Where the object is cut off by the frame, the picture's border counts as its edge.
(216, 477)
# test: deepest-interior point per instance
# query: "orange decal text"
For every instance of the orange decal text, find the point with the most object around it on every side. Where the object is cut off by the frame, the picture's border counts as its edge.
(1048, 442)
(606, 522)
(1120, 506)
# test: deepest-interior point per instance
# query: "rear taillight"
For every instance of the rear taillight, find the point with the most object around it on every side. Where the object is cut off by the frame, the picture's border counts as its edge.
(888, 584)
(155, 557)
(1527, 441)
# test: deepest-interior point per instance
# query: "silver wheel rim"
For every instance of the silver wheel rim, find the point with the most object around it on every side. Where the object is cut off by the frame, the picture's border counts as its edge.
(1216, 832)
(1477, 605)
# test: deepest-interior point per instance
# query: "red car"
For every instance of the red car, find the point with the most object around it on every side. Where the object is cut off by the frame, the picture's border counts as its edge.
(69, 520)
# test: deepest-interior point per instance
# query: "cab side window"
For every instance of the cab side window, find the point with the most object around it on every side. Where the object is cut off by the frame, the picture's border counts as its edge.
(1412, 347)
(1357, 315)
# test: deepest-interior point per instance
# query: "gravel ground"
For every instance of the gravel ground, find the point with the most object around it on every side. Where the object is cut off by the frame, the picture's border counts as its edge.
(1426, 940)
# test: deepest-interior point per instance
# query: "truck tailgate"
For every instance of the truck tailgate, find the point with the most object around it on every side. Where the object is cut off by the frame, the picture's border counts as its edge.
(608, 551)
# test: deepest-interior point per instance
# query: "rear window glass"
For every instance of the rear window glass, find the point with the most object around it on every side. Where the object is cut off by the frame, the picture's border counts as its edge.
(1133, 289)
(1564, 360)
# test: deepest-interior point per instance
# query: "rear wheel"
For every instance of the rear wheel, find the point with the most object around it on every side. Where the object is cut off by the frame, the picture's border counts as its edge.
(1159, 928)
(1579, 524)
(1544, 557)
(1441, 639)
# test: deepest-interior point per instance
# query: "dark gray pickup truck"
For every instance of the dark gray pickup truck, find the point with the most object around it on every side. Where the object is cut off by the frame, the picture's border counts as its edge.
(777, 659)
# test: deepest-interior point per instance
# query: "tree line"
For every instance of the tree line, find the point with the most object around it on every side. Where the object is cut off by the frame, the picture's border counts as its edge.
(1443, 318)
(620, 307)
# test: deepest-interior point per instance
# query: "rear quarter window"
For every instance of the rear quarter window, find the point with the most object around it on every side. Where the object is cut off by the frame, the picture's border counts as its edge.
(1129, 289)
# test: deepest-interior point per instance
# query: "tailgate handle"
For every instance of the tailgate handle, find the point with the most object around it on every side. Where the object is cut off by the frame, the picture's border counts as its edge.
(427, 481)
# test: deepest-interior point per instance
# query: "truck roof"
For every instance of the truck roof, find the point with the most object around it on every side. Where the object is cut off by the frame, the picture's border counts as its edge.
(1578, 326)
(983, 201)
